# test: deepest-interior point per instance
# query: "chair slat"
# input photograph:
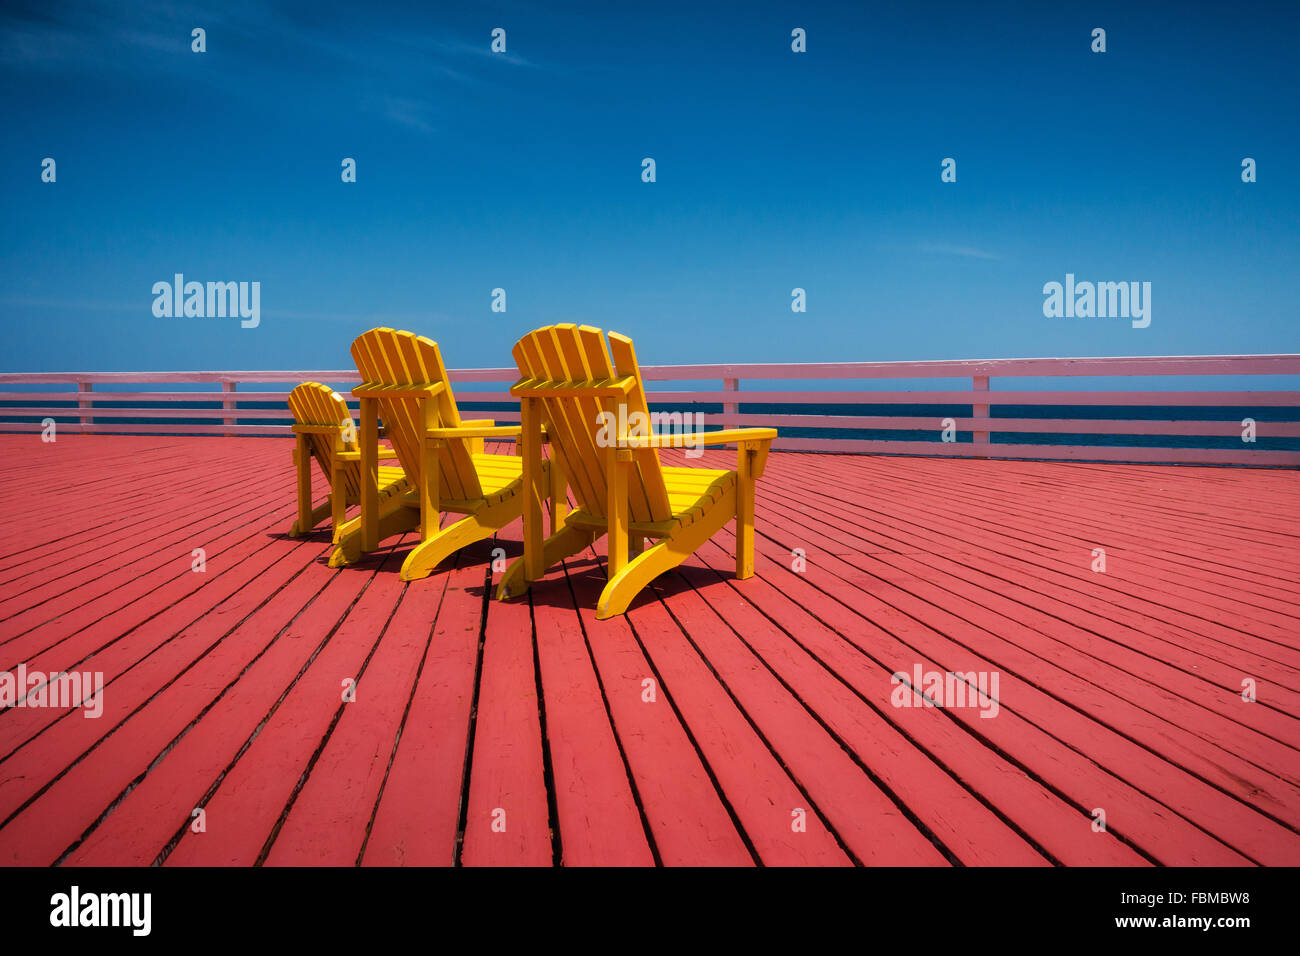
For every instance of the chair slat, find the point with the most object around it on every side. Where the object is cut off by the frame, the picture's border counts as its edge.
(565, 357)
(386, 357)
(647, 459)
(314, 404)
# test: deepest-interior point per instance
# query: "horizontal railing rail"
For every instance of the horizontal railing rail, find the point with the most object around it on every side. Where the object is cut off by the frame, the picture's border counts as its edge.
(1254, 426)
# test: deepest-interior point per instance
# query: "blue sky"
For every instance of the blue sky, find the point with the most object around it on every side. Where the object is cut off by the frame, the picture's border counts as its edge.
(522, 170)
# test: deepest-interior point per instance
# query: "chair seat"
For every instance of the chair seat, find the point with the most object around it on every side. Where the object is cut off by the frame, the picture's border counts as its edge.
(692, 490)
(496, 472)
(498, 477)
(392, 481)
(499, 474)
(691, 493)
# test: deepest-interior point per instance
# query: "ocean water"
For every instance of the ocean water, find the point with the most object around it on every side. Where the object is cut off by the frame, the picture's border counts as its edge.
(712, 412)
(1191, 413)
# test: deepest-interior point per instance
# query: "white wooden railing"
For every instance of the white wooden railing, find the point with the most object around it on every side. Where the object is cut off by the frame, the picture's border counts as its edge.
(228, 396)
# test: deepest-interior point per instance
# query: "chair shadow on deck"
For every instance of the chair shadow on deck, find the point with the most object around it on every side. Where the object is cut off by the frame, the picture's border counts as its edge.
(378, 561)
(576, 583)
(583, 574)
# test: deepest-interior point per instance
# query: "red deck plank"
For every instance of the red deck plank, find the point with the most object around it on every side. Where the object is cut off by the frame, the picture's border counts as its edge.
(600, 822)
(52, 824)
(1119, 690)
(689, 820)
(327, 822)
(767, 799)
(251, 796)
(506, 818)
(150, 815)
(417, 818)
(1075, 729)
(142, 662)
(820, 665)
(939, 804)
(1098, 662)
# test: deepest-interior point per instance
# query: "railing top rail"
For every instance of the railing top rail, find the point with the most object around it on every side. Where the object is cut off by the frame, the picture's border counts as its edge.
(1282, 364)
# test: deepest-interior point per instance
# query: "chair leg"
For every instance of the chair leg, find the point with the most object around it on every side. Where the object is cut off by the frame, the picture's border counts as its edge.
(744, 515)
(396, 516)
(533, 489)
(565, 543)
(432, 551)
(318, 514)
(626, 583)
(617, 511)
(559, 496)
(369, 475)
(338, 501)
(302, 461)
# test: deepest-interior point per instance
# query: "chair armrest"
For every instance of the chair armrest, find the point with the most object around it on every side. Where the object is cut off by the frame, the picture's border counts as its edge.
(726, 436)
(385, 454)
(379, 390)
(501, 431)
(575, 388)
(477, 422)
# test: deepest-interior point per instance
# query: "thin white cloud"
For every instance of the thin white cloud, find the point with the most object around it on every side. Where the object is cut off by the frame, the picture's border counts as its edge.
(409, 113)
(69, 305)
(154, 36)
(948, 249)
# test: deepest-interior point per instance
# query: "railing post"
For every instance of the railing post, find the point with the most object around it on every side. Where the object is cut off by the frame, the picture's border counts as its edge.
(981, 411)
(87, 416)
(730, 409)
(228, 403)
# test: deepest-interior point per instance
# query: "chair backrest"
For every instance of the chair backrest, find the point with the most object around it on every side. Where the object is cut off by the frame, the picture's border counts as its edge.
(559, 354)
(388, 357)
(315, 404)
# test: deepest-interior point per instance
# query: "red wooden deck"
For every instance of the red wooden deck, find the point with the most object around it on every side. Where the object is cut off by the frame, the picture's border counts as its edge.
(1119, 691)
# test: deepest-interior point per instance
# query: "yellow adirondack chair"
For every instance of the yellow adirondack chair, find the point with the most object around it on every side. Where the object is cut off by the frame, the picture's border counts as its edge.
(404, 383)
(595, 413)
(325, 431)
